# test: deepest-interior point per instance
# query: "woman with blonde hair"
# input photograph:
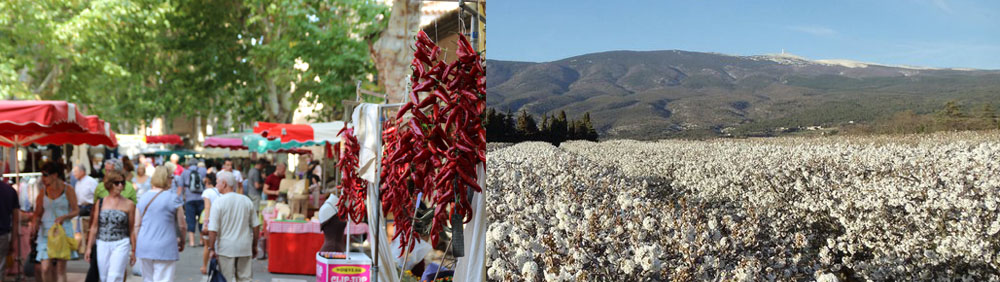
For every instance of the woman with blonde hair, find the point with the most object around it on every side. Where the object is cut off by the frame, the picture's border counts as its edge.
(110, 227)
(159, 229)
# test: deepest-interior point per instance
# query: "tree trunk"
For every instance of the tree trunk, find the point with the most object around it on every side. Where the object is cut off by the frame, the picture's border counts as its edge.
(392, 53)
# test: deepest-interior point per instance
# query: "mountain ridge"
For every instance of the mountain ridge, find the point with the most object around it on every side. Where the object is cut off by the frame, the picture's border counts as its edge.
(657, 94)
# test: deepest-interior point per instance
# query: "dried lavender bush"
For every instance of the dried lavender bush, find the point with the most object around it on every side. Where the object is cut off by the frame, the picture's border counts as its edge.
(872, 208)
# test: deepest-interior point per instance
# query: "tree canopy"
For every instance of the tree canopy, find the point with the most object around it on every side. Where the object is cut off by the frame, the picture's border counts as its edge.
(135, 60)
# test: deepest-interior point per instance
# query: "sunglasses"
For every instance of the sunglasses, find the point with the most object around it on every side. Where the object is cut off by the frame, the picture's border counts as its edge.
(122, 182)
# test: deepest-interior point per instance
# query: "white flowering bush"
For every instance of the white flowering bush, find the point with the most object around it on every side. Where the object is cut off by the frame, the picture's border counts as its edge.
(868, 208)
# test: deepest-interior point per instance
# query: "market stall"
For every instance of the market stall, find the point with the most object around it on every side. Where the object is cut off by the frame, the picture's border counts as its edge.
(170, 139)
(24, 123)
(429, 150)
(296, 237)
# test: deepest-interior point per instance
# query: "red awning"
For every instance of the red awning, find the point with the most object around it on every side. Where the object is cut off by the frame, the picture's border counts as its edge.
(23, 122)
(312, 132)
(164, 139)
(98, 133)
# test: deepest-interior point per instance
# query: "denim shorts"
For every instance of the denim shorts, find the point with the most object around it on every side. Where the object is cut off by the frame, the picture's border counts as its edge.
(192, 211)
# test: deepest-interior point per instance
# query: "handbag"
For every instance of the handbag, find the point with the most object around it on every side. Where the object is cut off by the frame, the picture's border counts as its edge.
(214, 273)
(85, 210)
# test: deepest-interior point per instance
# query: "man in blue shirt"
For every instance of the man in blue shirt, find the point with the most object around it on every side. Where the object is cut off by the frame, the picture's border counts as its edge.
(190, 187)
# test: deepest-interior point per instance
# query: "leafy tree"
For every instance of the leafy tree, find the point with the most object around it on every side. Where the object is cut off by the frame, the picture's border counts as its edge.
(307, 51)
(135, 60)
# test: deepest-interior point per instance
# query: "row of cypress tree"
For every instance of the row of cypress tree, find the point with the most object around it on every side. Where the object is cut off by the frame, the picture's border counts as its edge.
(555, 129)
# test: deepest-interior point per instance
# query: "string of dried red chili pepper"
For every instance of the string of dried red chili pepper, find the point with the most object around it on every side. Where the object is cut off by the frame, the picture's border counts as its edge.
(436, 148)
(354, 190)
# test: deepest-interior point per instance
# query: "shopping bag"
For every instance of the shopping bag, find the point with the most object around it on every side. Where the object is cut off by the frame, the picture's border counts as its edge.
(214, 273)
(60, 246)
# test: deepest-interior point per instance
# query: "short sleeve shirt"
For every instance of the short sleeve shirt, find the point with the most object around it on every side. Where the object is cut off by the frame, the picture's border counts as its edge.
(210, 194)
(85, 189)
(238, 175)
(157, 238)
(8, 203)
(128, 193)
(233, 218)
(274, 183)
(254, 176)
(185, 180)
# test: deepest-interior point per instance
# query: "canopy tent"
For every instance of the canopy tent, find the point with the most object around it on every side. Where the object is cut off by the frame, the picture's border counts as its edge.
(233, 141)
(47, 122)
(259, 144)
(98, 133)
(23, 122)
(231, 145)
(164, 139)
(312, 132)
(224, 153)
(181, 153)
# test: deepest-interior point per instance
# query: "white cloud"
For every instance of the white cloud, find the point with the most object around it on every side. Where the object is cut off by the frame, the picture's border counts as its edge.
(814, 30)
(943, 5)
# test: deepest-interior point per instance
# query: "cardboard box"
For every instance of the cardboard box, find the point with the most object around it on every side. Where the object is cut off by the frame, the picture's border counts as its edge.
(356, 268)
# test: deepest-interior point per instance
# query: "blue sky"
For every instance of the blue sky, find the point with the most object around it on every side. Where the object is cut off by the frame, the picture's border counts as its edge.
(933, 33)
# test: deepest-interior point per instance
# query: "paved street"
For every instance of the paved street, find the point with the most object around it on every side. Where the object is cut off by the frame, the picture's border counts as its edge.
(189, 269)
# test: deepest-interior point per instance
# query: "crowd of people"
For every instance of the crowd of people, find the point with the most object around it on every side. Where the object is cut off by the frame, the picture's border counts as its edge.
(126, 217)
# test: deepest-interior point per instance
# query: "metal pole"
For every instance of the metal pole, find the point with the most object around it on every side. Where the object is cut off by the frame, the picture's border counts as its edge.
(378, 173)
(378, 199)
(413, 219)
(17, 177)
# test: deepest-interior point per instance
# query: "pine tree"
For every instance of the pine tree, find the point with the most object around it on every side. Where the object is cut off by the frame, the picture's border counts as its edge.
(509, 132)
(951, 110)
(589, 132)
(573, 130)
(560, 128)
(546, 130)
(526, 126)
(494, 132)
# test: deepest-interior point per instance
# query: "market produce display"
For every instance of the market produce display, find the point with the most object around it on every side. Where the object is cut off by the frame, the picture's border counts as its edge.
(438, 139)
(790, 209)
(354, 190)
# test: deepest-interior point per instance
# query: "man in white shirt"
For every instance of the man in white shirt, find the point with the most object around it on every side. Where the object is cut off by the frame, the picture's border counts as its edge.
(228, 166)
(85, 187)
(233, 229)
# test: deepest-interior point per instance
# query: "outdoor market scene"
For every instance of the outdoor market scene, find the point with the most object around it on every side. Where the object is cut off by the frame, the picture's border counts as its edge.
(242, 140)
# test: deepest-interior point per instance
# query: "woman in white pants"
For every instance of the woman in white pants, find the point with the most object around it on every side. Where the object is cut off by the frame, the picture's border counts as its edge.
(110, 225)
(159, 229)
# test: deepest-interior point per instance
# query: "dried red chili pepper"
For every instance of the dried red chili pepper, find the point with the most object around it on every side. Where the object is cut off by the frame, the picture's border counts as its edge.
(437, 147)
(354, 190)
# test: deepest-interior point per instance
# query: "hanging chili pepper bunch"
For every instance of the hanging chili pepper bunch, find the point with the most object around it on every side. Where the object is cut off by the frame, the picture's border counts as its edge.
(397, 197)
(439, 139)
(354, 189)
(461, 123)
